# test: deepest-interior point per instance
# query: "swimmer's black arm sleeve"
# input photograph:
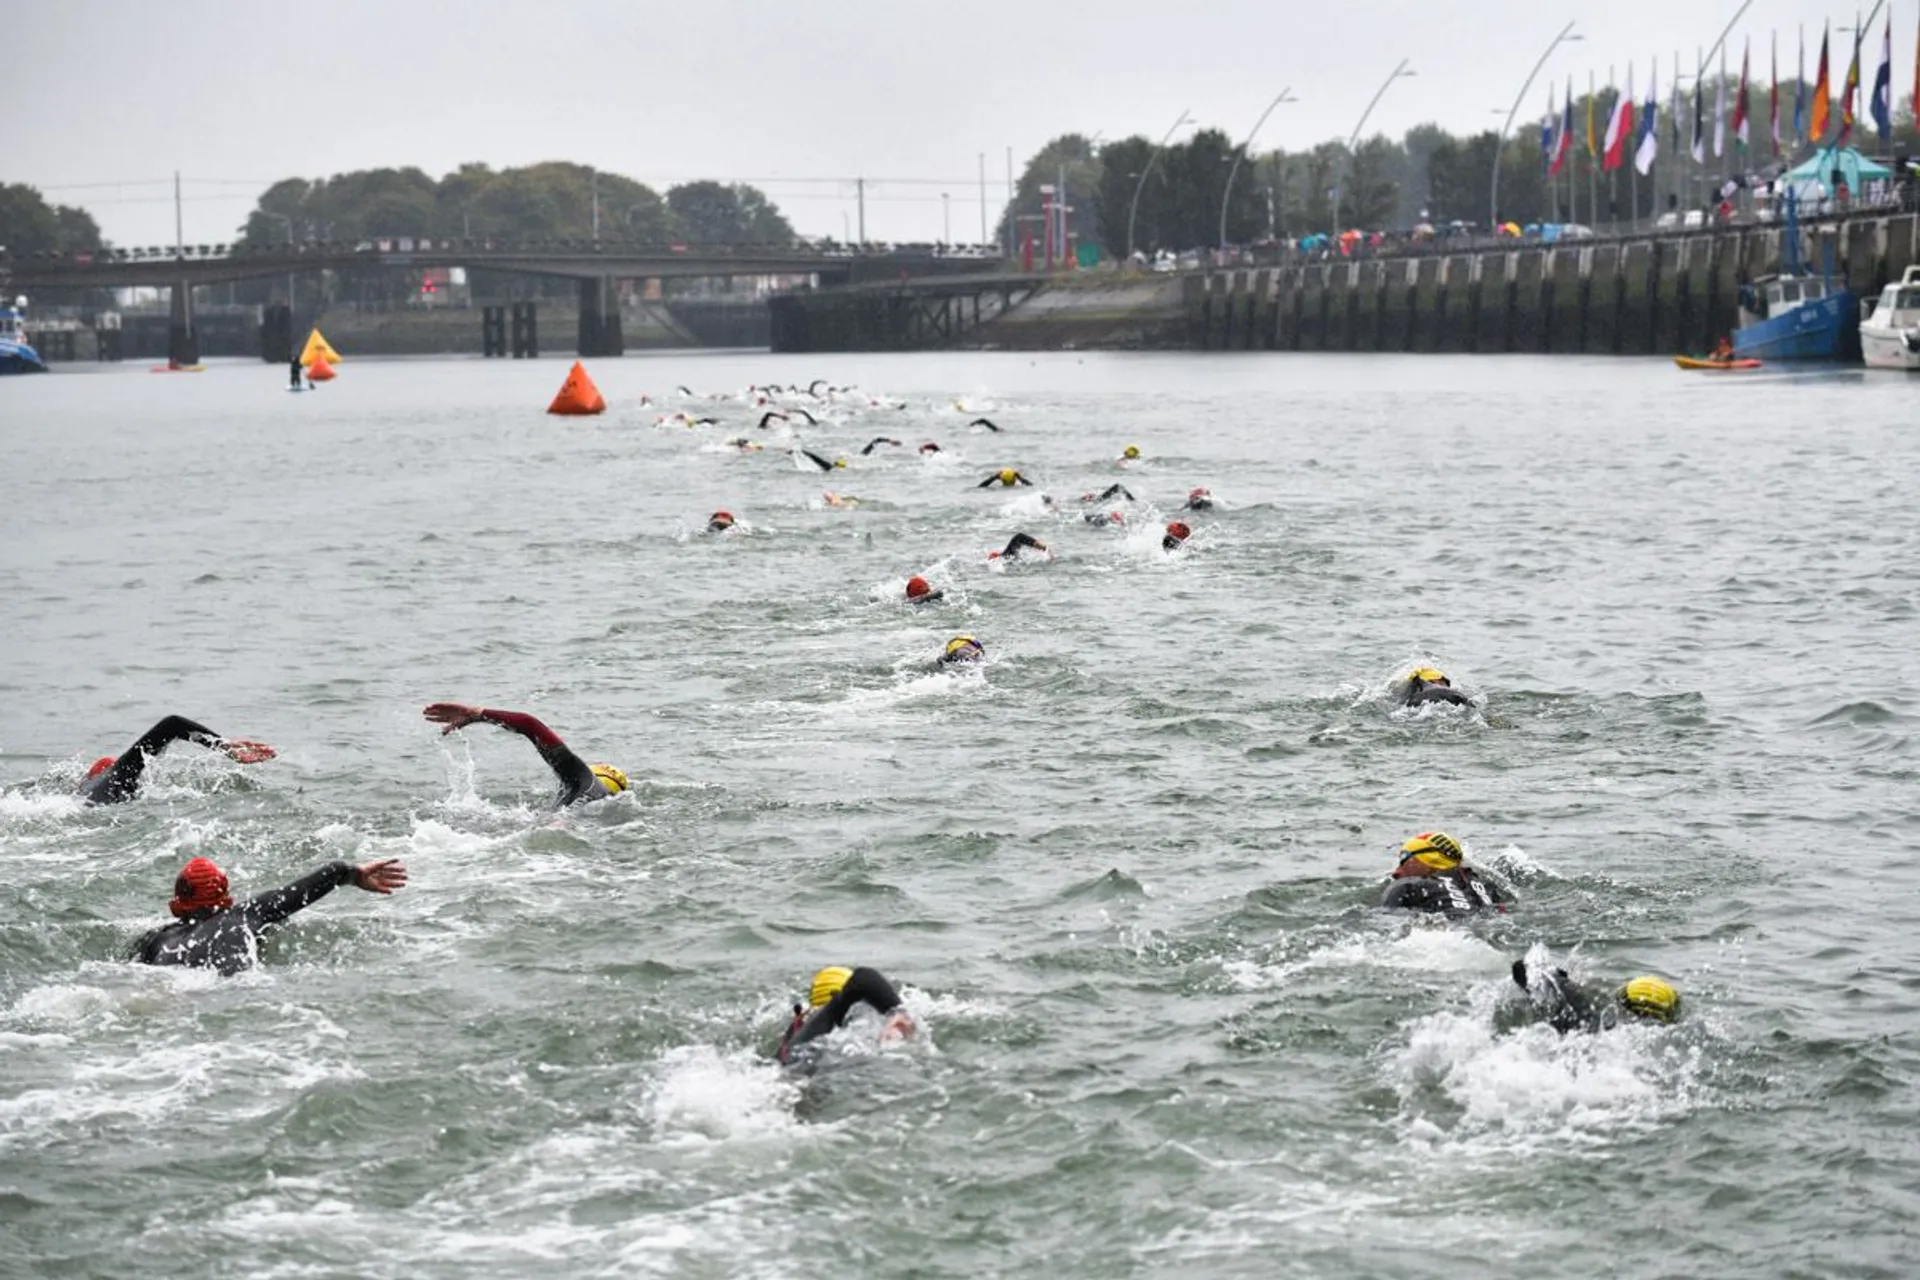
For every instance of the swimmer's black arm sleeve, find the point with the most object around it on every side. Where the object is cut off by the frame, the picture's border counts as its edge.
(122, 781)
(864, 986)
(989, 480)
(576, 778)
(275, 905)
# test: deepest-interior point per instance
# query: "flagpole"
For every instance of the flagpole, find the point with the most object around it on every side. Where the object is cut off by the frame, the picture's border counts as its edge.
(1633, 170)
(1593, 161)
(1499, 141)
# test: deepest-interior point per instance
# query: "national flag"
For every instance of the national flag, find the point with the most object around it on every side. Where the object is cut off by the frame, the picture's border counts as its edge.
(1563, 146)
(1546, 134)
(1593, 137)
(1740, 101)
(1720, 108)
(1800, 94)
(1773, 100)
(1822, 99)
(1698, 146)
(1611, 148)
(1850, 95)
(1916, 75)
(1625, 144)
(1649, 147)
(1883, 88)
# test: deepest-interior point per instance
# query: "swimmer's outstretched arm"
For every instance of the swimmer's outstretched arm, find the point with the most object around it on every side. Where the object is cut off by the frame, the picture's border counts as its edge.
(990, 480)
(1120, 489)
(122, 780)
(818, 461)
(811, 420)
(769, 416)
(275, 905)
(876, 442)
(1022, 479)
(1020, 540)
(983, 422)
(864, 986)
(576, 778)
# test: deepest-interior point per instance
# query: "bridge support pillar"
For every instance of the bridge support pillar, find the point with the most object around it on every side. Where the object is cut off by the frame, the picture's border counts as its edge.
(493, 331)
(526, 332)
(599, 333)
(276, 334)
(183, 340)
(106, 339)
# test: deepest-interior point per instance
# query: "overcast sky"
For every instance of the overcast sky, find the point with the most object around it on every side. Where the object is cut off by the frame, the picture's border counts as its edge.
(235, 95)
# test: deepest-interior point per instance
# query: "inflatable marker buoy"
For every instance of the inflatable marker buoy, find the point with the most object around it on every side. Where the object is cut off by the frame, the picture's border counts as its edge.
(318, 348)
(578, 395)
(319, 371)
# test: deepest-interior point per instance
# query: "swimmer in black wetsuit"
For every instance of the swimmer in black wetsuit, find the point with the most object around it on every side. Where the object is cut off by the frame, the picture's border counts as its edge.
(1108, 492)
(1199, 500)
(1006, 476)
(1427, 685)
(834, 993)
(1565, 1005)
(984, 422)
(931, 447)
(1016, 544)
(811, 420)
(920, 591)
(876, 442)
(1177, 535)
(821, 462)
(960, 651)
(111, 780)
(767, 417)
(210, 932)
(1433, 876)
(578, 779)
(720, 522)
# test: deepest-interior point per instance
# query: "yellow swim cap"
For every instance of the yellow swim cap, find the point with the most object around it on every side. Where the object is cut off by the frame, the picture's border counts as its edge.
(1431, 675)
(615, 780)
(839, 462)
(1651, 997)
(961, 642)
(827, 984)
(1133, 451)
(1434, 849)
(1008, 475)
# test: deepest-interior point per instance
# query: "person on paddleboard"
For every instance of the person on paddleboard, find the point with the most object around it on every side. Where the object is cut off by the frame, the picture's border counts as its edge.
(1565, 1005)
(578, 779)
(1432, 875)
(1426, 685)
(111, 779)
(294, 373)
(835, 993)
(210, 932)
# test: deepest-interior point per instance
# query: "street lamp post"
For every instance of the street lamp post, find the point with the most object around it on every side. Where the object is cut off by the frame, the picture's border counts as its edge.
(1240, 154)
(1400, 72)
(1133, 209)
(1500, 139)
(289, 225)
(946, 220)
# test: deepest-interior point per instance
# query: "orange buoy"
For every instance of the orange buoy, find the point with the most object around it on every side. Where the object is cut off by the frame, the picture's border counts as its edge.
(578, 395)
(319, 370)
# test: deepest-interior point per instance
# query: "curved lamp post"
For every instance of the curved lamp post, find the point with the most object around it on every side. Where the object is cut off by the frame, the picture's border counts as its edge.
(1240, 153)
(1500, 139)
(1400, 72)
(1134, 208)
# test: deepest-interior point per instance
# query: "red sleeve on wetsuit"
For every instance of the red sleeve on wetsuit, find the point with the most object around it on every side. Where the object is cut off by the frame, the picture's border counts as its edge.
(524, 725)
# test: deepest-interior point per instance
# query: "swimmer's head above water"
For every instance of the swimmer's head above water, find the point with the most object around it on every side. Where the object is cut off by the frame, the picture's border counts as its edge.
(200, 886)
(1428, 852)
(611, 778)
(963, 649)
(720, 522)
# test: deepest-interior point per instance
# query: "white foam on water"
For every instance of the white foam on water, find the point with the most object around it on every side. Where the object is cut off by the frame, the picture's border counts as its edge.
(26, 806)
(699, 1096)
(1429, 945)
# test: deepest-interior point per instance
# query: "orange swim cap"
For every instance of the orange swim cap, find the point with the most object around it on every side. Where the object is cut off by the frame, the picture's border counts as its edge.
(99, 766)
(200, 885)
(721, 517)
(917, 586)
(1178, 530)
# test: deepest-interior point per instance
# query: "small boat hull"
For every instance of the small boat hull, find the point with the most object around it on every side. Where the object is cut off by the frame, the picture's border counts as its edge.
(1890, 349)
(1823, 329)
(18, 357)
(1692, 362)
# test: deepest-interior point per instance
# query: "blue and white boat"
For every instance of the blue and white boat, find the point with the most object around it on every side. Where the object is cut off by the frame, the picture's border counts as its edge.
(1798, 315)
(16, 356)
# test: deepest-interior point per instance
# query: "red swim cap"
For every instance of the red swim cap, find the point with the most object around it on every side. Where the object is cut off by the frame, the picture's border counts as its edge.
(199, 885)
(99, 766)
(720, 517)
(1178, 530)
(917, 586)
(1196, 493)
(929, 447)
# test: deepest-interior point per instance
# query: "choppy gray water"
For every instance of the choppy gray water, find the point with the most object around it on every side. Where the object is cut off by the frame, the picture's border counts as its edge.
(1125, 874)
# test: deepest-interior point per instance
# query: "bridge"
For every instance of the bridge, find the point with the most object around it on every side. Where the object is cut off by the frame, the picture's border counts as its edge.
(595, 264)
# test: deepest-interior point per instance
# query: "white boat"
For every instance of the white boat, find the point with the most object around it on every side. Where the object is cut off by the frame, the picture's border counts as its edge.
(1890, 329)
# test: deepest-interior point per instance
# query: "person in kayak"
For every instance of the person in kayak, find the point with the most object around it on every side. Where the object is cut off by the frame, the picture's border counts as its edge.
(1722, 350)
(836, 991)
(1432, 875)
(920, 591)
(578, 779)
(210, 932)
(1427, 685)
(1006, 477)
(1565, 1005)
(1016, 544)
(1177, 535)
(112, 779)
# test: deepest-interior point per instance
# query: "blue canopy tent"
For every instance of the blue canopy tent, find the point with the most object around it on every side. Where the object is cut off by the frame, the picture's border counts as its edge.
(1812, 179)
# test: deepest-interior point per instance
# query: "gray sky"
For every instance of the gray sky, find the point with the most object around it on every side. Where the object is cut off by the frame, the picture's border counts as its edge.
(234, 95)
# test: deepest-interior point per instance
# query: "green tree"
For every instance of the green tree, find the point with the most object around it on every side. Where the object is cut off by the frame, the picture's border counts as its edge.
(1075, 154)
(715, 213)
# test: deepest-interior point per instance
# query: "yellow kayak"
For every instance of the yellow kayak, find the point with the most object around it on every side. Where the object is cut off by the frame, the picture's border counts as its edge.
(1695, 362)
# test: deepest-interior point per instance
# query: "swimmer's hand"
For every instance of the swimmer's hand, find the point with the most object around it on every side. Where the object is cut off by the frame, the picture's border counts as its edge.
(245, 750)
(381, 877)
(900, 1026)
(454, 715)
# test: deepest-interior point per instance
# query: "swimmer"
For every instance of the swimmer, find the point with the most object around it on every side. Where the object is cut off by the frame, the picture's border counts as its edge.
(719, 522)
(578, 779)
(1567, 1006)
(961, 650)
(210, 932)
(1177, 535)
(112, 779)
(876, 442)
(769, 416)
(920, 591)
(1006, 477)
(833, 499)
(811, 420)
(1101, 519)
(1433, 876)
(745, 445)
(1426, 684)
(834, 993)
(931, 447)
(984, 422)
(1199, 500)
(1018, 543)
(815, 383)
(1107, 493)
(1130, 454)
(819, 461)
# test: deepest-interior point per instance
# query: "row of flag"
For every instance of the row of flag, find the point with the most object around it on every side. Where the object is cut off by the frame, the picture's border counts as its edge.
(1632, 132)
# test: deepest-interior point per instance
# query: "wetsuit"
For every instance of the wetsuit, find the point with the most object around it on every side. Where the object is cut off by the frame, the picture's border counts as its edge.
(1199, 502)
(1101, 519)
(769, 416)
(983, 422)
(1017, 543)
(1172, 543)
(122, 780)
(294, 372)
(811, 420)
(1420, 693)
(996, 478)
(864, 986)
(227, 938)
(1108, 492)
(577, 780)
(876, 442)
(818, 461)
(1458, 892)
(1562, 1003)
